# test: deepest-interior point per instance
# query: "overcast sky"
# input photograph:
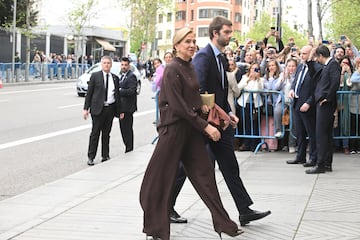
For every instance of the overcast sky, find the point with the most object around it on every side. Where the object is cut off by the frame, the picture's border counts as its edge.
(109, 13)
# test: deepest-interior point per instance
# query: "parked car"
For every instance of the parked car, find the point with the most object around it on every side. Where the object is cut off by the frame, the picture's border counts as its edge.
(82, 82)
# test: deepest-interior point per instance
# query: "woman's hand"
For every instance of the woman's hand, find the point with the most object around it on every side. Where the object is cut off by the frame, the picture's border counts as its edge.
(205, 108)
(212, 132)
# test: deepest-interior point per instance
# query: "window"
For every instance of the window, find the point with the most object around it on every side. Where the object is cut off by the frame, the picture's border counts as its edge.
(192, 15)
(169, 15)
(160, 33)
(203, 32)
(168, 34)
(180, 15)
(238, 2)
(161, 18)
(211, 13)
(237, 17)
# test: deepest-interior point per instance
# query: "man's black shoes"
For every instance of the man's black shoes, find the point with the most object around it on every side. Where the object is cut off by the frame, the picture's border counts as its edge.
(176, 218)
(90, 162)
(315, 170)
(310, 164)
(294, 162)
(252, 216)
(104, 159)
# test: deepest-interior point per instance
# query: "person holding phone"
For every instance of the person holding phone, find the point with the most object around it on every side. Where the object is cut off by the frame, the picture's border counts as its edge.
(250, 104)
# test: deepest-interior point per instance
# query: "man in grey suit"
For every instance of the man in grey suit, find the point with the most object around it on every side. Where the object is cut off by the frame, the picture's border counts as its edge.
(128, 101)
(325, 99)
(102, 99)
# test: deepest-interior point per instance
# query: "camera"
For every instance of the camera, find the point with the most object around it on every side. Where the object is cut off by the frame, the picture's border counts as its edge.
(325, 41)
(293, 49)
(342, 38)
(256, 70)
(271, 51)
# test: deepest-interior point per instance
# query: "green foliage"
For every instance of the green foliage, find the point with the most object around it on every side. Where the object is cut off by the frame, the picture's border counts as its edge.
(262, 27)
(345, 20)
(80, 15)
(143, 20)
(6, 13)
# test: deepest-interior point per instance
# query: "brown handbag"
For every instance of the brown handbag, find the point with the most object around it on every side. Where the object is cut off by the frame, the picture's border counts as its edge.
(286, 117)
(218, 117)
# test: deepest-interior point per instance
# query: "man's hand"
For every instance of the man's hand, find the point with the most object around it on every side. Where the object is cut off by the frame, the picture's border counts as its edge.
(323, 102)
(305, 107)
(122, 115)
(85, 114)
(233, 120)
(291, 94)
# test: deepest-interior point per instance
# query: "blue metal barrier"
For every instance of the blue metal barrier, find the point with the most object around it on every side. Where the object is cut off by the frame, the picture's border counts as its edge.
(253, 117)
(36, 70)
(346, 115)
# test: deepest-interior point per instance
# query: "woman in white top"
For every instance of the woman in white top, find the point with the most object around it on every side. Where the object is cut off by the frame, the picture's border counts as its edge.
(250, 103)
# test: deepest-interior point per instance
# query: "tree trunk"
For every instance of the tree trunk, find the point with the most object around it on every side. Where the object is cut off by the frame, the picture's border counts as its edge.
(319, 16)
(310, 26)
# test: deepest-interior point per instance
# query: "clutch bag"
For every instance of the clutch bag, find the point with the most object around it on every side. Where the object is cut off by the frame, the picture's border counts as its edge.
(208, 99)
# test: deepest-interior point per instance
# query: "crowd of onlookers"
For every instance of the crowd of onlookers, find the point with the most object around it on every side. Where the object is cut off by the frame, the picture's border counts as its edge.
(259, 66)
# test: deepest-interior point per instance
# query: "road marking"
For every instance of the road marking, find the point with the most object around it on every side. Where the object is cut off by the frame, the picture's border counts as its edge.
(44, 136)
(69, 106)
(34, 90)
(58, 133)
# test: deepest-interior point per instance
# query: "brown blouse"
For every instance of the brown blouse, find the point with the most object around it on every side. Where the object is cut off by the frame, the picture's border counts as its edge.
(180, 97)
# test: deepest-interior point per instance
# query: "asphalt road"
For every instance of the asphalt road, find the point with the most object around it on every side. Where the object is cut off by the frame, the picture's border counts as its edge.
(43, 136)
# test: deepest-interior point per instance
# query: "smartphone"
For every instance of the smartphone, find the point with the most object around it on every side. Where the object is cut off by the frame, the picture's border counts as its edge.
(343, 38)
(325, 41)
(256, 70)
(272, 29)
(293, 49)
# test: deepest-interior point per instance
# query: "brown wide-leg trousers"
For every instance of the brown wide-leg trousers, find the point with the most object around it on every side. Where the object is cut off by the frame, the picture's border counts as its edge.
(177, 142)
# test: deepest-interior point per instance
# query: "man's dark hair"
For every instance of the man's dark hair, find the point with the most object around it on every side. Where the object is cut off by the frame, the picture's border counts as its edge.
(323, 51)
(341, 48)
(125, 59)
(217, 23)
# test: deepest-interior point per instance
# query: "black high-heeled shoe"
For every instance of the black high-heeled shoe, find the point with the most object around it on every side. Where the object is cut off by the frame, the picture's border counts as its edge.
(233, 234)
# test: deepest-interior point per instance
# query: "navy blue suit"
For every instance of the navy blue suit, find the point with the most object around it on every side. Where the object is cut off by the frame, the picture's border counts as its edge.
(205, 63)
(128, 101)
(304, 122)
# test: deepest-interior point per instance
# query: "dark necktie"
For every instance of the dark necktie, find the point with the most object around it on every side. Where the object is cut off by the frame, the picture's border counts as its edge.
(300, 80)
(106, 86)
(222, 63)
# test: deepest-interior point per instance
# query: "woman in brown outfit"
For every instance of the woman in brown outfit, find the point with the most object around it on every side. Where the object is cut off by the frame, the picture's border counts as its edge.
(181, 132)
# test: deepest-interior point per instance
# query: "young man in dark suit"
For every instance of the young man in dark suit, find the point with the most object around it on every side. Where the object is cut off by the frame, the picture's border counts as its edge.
(102, 99)
(302, 93)
(210, 66)
(325, 98)
(128, 101)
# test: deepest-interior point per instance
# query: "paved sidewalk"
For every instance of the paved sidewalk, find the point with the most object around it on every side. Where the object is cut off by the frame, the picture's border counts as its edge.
(101, 202)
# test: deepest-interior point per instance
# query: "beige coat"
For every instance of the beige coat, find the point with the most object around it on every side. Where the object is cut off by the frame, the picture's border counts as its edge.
(233, 90)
